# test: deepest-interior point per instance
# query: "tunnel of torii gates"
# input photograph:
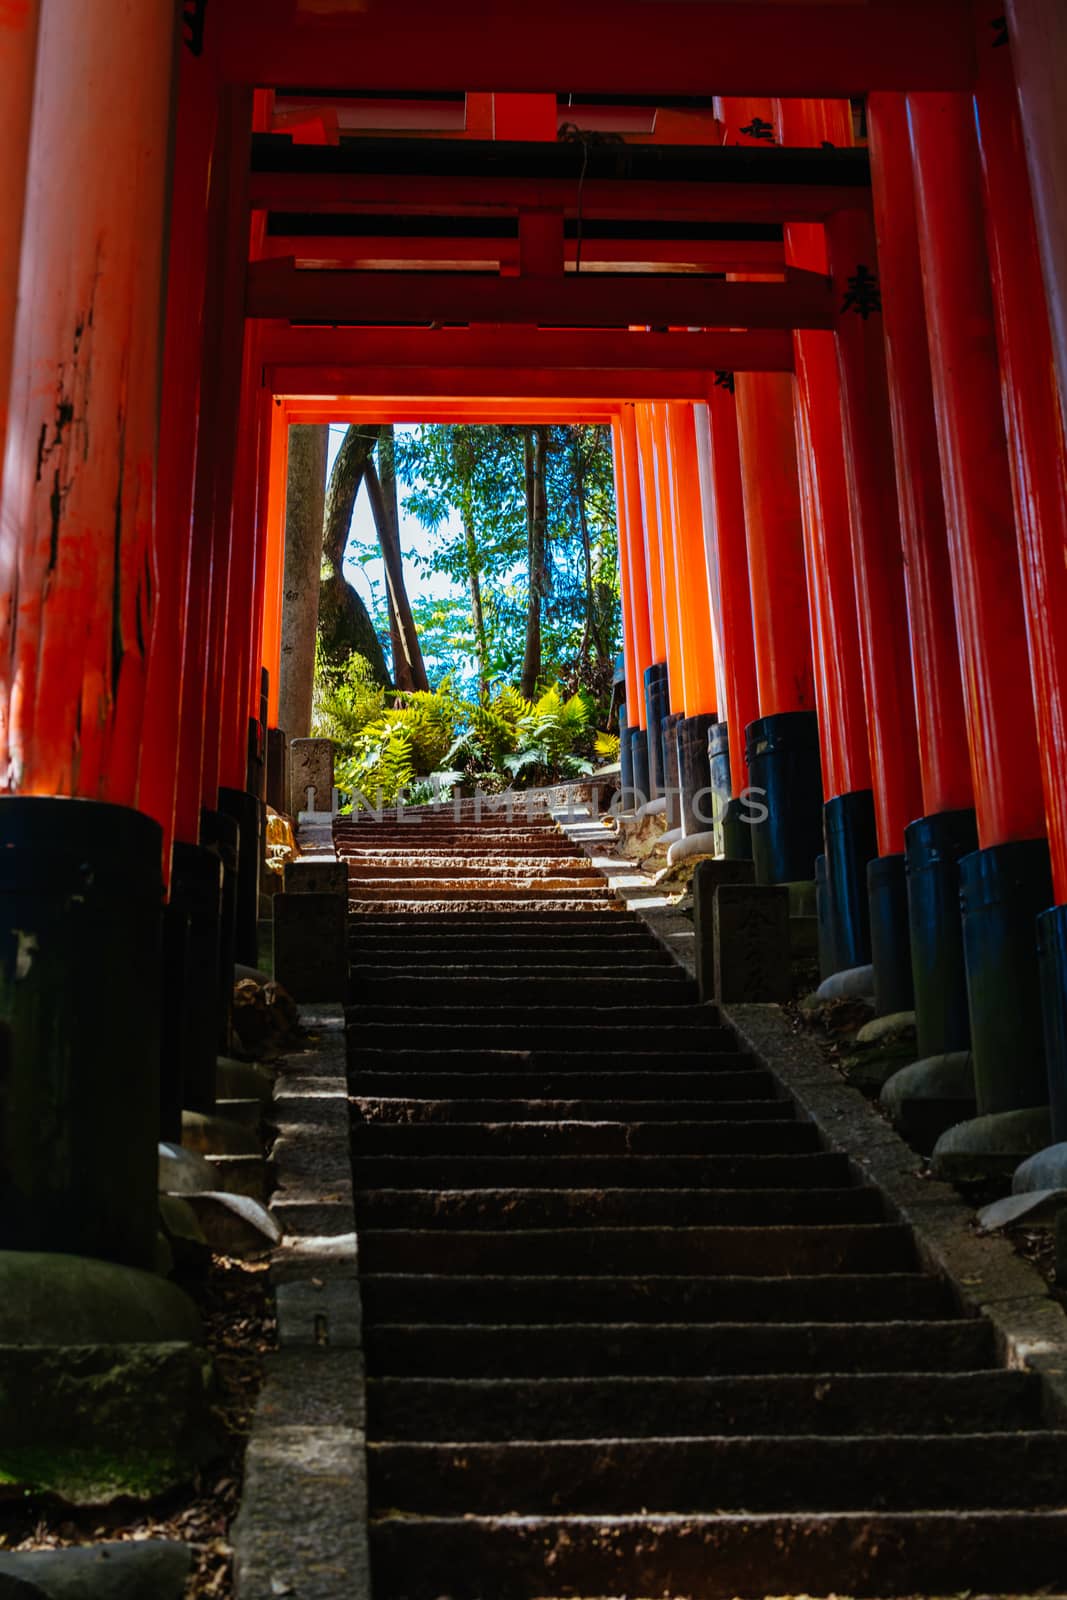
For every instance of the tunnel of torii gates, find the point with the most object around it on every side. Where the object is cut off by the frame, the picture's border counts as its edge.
(808, 260)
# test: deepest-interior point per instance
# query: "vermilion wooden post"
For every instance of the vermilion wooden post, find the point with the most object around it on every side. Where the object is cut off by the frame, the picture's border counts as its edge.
(1008, 881)
(701, 430)
(18, 55)
(848, 814)
(657, 688)
(1038, 31)
(694, 600)
(876, 532)
(275, 554)
(634, 528)
(738, 649)
(783, 747)
(230, 261)
(240, 601)
(781, 623)
(668, 548)
(205, 622)
(84, 419)
(646, 477)
(695, 621)
(81, 888)
(179, 426)
(947, 830)
(629, 654)
(944, 765)
(1039, 480)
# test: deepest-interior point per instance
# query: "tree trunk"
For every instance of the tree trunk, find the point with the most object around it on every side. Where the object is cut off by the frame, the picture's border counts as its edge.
(462, 457)
(305, 500)
(589, 631)
(481, 642)
(345, 625)
(409, 671)
(535, 446)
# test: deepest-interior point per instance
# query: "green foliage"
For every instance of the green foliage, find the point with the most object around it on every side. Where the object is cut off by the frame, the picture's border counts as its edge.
(346, 698)
(467, 483)
(394, 747)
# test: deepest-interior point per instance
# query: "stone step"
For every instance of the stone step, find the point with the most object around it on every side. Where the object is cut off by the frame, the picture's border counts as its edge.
(447, 1409)
(1023, 1471)
(430, 987)
(543, 954)
(598, 1088)
(435, 1029)
(431, 864)
(579, 1208)
(417, 886)
(611, 918)
(842, 1297)
(755, 1251)
(436, 903)
(650, 1349)
(377, 1110)
(716, 1557)
(583, 1138)
(529, 1066)
(729, 1170)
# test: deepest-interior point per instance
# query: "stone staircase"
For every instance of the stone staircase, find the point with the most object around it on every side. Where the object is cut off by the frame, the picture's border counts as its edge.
(630, 1331)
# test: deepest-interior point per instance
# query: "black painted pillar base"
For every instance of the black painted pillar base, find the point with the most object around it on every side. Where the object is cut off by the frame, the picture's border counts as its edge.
(1003, 891)
(851, 842)
(824, 917)
(174, 994)
(732, 826)
(933, 847)
(784, 769)
(672, 788)
(694, 773)
(721, 781)
(657, 706)
(1052, 958)
(247, 811)
(737, 832)
(277, 770)
(894, 984)
(639, 761)
(81, 908)
(626, 759)
(196, 892)
(220, 834)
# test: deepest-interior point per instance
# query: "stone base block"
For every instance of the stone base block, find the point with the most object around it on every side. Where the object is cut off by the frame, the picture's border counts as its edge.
(711, 874)
(1045, 1170)
(991, 1147)
(310, 958)
(316, 877)
(141, 1569)
(90, 1423)
(310, 769)
(751, 960)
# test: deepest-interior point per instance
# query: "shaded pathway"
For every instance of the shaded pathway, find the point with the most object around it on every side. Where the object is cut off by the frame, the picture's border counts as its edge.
(629, 1329)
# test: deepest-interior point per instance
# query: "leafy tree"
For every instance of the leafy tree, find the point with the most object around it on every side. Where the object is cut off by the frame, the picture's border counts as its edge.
(471, 483)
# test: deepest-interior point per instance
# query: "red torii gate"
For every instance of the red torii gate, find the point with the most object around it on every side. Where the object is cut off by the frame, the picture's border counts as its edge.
(142, 575)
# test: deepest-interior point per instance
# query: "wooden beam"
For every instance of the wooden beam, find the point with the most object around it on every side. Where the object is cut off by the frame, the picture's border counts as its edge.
(277, 289)
(666, 200)
(617, 47)
(410, 409)
(510, 383)
(582, 350)
(388, 252)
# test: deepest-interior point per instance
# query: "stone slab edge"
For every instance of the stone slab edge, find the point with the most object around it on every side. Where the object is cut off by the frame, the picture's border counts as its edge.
(985, 1274)
(302, 1524)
